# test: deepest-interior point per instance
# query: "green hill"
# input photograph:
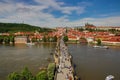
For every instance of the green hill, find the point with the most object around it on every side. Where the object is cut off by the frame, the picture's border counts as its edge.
(15, 27)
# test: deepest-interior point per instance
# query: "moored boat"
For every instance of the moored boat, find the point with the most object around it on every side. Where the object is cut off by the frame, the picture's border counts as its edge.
(30, 44)
(104, 47)
(109, 77)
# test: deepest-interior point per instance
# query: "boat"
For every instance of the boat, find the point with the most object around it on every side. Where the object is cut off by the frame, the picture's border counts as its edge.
(30, 44)
(109, 77)
(104, 47)
(96, 46)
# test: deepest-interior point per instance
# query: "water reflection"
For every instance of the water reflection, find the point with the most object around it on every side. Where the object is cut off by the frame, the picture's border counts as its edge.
(20, 45)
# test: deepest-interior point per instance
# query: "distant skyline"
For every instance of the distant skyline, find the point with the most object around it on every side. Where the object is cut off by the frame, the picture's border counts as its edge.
(57, 13)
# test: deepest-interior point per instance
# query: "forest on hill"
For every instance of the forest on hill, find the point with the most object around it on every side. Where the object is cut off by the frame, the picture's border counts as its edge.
(15, 27)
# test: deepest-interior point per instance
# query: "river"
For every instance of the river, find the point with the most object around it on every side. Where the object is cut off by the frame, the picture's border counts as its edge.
(91, 63)
(15, 58)
(95, 63)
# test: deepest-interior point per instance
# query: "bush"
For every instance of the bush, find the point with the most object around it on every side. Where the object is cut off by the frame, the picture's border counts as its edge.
(98, 42)
(26, 74)
(14, 76)
(42, 75)
(50, 71)
(7, 40)
(65, 39)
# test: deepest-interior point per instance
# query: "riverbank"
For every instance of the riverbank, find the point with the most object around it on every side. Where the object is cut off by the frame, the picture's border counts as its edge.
(90, 44)
(111, 43)
(103, 43)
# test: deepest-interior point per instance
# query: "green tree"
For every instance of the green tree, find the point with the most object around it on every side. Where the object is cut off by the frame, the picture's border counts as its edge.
(44, 39)
(11, 38)
(65, 39)
(1, 39)
(50, 71)
(14, 76)
(90, 30)
(98, 42)
(6, 39)
(15, 27)
(55, 39)
(48, 39)
(42, 75)
(112, 30)
(34, 40)
(81, 29)
(26, 74)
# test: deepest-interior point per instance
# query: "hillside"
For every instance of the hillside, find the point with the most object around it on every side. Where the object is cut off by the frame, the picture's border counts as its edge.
(15, 27)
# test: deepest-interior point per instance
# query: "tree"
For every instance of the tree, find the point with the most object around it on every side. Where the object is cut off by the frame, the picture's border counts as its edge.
(98, 42)
(48, 39)
(1, 39)
(81, 29)
(112, 30)
(34, 40)
(14, 76)
(50, 71)
(6, 39)
(42, 75)
(55, 39)
(65, 39)
(15, 27)
(11, 38)
(26, 74)
(44, 39)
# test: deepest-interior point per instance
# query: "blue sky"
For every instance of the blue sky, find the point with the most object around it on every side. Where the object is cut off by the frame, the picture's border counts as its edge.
(58, 13)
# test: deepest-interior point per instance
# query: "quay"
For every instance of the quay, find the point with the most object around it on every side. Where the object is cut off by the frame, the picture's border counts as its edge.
(63, 61)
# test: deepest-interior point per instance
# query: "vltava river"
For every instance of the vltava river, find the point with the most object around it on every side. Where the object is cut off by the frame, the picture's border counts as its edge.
(95, 63)
(91, 63)
(15, 58)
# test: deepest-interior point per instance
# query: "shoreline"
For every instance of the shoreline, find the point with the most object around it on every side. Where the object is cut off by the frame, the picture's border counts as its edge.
(105, 44)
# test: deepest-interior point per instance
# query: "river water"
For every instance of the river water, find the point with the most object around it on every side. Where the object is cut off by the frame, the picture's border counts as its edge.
(91, 63)
(95, 63)
(15, 58)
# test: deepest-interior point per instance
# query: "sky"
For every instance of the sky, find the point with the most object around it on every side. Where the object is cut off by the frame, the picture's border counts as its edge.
(61, 13)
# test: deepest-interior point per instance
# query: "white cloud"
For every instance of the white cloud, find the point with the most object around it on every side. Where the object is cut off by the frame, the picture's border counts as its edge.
(61, 6)
(68, 10)
(107, 21)
(34, 15)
